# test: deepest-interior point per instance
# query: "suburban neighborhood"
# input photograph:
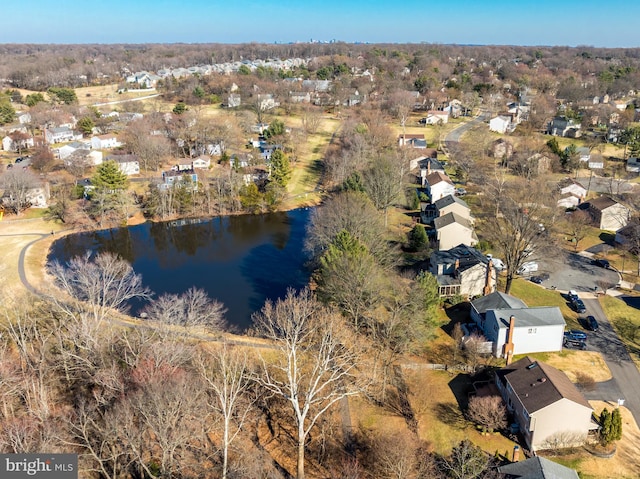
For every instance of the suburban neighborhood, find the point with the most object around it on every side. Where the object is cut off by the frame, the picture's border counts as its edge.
(471, 293)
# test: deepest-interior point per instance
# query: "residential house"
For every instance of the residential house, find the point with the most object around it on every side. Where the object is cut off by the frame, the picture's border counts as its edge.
(427, 157)
(565, 127)
(104, 142)
(633, 165)
(584, 154)
(267, 102)
(300, 96)
(234, 100)
(537, 467)
(452, 229)
(61, 134)
(529, 330)
(23, 117)
(17, 143)
(495, 300)
(608, 214)
(462, 270)
(435, 117)
(201, 162)
(548, 408)
(501, 148)
(501, 124)
(629, 237)
(448, 204)
(413, 141)
(572, 193)
(438, 185)
(67, 150)
(172, 178)
(82, 156)
(39, 196)
(128, 164)
(539, 163)
(428, 166)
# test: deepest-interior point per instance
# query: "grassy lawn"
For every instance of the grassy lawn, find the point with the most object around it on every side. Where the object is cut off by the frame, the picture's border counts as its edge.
(534, 295)
(626, 321)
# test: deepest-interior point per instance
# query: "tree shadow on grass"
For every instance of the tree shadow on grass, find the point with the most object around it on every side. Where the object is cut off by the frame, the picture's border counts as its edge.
(451, 415)
(460, 386)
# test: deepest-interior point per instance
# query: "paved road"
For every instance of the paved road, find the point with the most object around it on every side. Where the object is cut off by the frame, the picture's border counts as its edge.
(116, 102)
(454, 135)
(626, 382)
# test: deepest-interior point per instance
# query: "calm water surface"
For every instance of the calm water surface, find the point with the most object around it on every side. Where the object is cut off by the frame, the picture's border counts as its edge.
(239, 260)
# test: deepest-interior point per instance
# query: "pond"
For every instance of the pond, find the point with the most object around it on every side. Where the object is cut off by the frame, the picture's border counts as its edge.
(238, 260)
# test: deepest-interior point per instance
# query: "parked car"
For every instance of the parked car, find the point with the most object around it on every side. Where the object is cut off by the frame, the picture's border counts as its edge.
(539, 278)
(461, 191)
(591, 323)
(575, 335)
(603, 263)
(572, 295)
(528, 267)
(578, 306)
(568, 343)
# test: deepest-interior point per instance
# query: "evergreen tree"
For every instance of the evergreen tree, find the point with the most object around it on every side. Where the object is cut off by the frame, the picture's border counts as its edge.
(7, 113)
(280, 168)
(63, 95)
(418, 239)
(276, 128)
(109, 177)
(180, 108)
(353, 182)
(86, 125)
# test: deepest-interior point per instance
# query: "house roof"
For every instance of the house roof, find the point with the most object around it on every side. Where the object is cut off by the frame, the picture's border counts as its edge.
(539, 385)
(538, 468)
(465, 255)
(450, 218)
(449, 200)
(602, 203)
(437, 177)
(497, 300)
(568, 182)
(122, 158)
(528, 317)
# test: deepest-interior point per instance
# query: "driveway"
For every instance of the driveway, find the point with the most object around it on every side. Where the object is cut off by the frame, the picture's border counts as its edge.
(454, 135)
(573, 271)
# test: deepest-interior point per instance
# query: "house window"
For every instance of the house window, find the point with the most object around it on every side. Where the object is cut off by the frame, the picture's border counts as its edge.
(532, 330)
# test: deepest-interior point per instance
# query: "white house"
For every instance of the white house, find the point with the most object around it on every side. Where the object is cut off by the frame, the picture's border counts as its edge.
(104, 142)
(435, 117)
(572, 193)
(535, 330)
(9, 144)
(201, 162)
(61, 134)
(438, 186)
(500, 124)
(128, 164)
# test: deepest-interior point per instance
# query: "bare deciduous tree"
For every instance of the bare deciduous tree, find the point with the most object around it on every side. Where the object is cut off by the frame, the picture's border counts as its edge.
(314, 367)
(17, 183)
(488, 412)
(225, 373)
(192, 308)
(105, 284)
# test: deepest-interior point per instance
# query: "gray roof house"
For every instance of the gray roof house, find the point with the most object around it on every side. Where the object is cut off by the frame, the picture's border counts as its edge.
(462, 270)
(529, 330)
(548, 408)
(445, 205)
(537, 468)
(495, 300)
(562, 126)
(608, 214)
(453, 229)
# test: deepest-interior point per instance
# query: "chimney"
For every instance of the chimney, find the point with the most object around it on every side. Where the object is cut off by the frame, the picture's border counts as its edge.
(508, 346)
(516, 453)
(428, 166)
(487, 282)
(456, 267)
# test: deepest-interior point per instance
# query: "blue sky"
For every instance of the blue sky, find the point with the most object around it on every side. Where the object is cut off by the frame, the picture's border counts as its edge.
(515, 22)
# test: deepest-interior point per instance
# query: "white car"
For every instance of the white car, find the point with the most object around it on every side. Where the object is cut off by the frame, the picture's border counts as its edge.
(528, 267)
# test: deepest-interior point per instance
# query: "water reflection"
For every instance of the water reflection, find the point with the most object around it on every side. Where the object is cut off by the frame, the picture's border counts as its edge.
(240, 260)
